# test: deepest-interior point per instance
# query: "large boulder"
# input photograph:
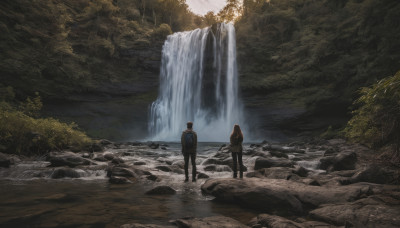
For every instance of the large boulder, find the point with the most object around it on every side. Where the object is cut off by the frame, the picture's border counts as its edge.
(281, 196)
(367, 212)
(378, 175)
(67, 159)
(342, 161)
(64, 172)
(272, 162)
(119, 180)
(214, 221)
(272, 173)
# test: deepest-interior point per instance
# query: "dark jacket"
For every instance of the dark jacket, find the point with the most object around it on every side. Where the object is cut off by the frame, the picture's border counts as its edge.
(194, 148)
(236, 144)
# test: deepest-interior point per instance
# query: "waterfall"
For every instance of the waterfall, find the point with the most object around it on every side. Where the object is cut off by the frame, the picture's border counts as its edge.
(198, 83)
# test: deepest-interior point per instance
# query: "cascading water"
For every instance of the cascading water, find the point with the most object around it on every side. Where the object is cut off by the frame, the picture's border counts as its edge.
(199, 83)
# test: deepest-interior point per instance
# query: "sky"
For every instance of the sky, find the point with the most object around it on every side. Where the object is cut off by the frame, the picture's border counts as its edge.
(201, 7)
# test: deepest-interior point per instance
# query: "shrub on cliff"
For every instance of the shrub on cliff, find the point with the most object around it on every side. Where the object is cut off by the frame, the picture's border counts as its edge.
(161, 32)
(376, 121)
(21, 133)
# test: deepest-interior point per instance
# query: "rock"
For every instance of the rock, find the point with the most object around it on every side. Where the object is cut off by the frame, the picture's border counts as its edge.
(152, 177)
(64, 172)
(119, 180)
(378, 175)
(280, 196)
(95, 147)
(301, 171)
(278, 154)
(139, 163)
(179, 163)
(164, 168)
(282, 149)
(202, 176)
(117, 160)
(66, 159)
(100, 158)
(161, 190)
(154, 146)
(221, 147)
(109, 156)
(5, 160)
(273, 221)
(137, 225)
(121, 171)
(368, 212)
(214, 221)
(163, 148)
(86, 155)
(270, 162)
(272, 173)
(217, 168)
(331, 151)
(105, 142)
(343, 161)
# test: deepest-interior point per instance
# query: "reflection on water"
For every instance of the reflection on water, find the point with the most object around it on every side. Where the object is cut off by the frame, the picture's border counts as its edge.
(29, 201)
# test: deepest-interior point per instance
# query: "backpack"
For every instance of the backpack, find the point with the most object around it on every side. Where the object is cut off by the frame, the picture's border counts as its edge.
(189, 140)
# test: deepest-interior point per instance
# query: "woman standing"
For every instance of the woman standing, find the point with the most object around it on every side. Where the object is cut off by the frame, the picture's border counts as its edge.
(236, 149)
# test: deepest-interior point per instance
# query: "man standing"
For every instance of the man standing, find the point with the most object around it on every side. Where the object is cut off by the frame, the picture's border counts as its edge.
(189, 147)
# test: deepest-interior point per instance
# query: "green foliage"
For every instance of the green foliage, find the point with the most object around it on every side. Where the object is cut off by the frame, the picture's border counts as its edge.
(21, 133)
(376, 121)
(162, 32)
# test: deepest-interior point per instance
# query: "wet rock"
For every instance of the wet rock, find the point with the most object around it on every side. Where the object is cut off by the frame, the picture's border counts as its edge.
(95, 147)
(222, 147)
(312, 182)
(117, 160)
(166, 161)
(272, 173)
(109, 156)
(273, 221)
(66, 159)
(100, 158)
(378, 175)
(270, 162)
(202, 176)
(164, 168)
(301, 171)
(121, 171)
(280, 196)
(278, 154)
(64, 172)
(119, 180)
(138, 225)
(105, 142)
(161, 190)
(154, 145)
(152, 178)
(343, 161)
(86, 155)
(163, 148)
(214, 221)
(217, 168)
(368, 212)
(139, 163)
(331, 151)
(180, 164)
(5, 160)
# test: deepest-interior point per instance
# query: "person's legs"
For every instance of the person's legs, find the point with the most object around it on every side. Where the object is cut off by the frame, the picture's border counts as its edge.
(234, 157)
(240, 164)
(194, 171)
(186, 159)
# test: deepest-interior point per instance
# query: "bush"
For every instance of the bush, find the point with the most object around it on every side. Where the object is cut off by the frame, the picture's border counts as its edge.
(21, 133)
(161, 32)
(376, 121)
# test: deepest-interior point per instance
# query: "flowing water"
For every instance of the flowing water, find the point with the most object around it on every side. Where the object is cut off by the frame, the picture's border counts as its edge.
(199, 83)
(29, 197)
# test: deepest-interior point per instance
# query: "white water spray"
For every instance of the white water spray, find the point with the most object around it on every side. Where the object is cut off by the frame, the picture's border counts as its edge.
(198, 83)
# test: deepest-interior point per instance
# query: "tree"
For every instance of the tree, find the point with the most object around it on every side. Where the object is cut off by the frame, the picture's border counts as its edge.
(376, 121)
(210, 18)
(231, 12)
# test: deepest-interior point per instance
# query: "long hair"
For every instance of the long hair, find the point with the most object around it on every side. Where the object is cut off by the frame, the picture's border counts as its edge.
(236, 132)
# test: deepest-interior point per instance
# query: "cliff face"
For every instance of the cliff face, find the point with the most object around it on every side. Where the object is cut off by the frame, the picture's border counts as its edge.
(94, 62)
(97, 62)
(302, 62)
